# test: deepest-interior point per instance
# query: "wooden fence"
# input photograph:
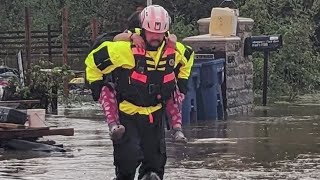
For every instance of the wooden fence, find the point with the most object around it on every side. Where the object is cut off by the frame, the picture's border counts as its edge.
(50, 44)
(44, 45)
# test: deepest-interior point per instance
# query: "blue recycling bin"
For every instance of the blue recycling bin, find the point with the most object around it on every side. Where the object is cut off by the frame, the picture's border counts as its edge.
(189, 106)
(211, 78)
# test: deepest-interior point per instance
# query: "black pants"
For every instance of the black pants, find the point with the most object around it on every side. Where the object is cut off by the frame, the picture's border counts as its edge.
(143, 143)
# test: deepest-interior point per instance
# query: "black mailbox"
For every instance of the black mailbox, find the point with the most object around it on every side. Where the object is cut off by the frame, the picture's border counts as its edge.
(262, 43)
(266, 44)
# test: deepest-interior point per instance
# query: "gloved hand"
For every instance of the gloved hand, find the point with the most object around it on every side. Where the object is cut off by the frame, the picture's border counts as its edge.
(96, 87)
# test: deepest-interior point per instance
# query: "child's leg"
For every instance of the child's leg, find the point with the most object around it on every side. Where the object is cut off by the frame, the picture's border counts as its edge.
(173, 109)
(110, 108)
(174, 113)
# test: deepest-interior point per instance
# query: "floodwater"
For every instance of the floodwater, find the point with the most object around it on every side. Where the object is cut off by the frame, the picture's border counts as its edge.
(281, 141)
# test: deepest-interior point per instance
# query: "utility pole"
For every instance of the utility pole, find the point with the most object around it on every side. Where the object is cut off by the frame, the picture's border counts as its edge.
(149, 2)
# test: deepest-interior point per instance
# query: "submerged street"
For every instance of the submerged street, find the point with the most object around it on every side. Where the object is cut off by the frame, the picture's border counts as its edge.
(277, 142)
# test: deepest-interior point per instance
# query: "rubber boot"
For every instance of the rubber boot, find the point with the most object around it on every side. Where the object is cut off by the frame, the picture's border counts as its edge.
(151, 176)
(116, 131)
(178, 136)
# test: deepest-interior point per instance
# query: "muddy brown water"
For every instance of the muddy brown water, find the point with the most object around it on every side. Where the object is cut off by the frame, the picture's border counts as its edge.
(277, 142)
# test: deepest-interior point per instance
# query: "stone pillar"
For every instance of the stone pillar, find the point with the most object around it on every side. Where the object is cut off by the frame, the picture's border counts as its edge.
(238, 87)
(245, 94)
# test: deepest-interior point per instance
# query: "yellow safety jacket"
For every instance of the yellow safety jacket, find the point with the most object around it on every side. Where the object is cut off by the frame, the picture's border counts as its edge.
(134, 67)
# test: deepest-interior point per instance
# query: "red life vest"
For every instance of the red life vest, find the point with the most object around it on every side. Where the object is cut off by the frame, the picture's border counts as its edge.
(147, 84)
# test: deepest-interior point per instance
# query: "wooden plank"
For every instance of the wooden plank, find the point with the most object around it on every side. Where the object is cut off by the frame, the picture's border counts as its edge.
(11, 32)
(33, 37)
(13, 48)
(44, 47)
(80, 41)
(22, 101)
(13, 43)
(44, 32)
(16, 46)
(51, 30)
(43, 36)
(12, 126)
(39, 128)
(27, 133)
(8, 54)
(45, 53)
(44, 41)
(12, 55)
(10, 105)
(18, 102)
(58, 53)
(80, 46)
(22, 43)
(56, 43)
(12, 37)
(22, 32)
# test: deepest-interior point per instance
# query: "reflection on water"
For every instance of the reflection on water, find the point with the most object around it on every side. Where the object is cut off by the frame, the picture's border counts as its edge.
(279, 142)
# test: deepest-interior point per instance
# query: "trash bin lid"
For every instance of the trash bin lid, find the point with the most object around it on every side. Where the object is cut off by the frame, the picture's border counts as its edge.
(215, 61)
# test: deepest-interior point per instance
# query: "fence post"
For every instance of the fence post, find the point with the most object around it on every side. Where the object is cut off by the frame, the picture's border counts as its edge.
(94, 29)
(49, 43)
(65, 47)
(28, 41)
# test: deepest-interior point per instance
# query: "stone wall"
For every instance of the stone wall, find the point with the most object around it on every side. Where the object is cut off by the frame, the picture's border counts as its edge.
(238, 87)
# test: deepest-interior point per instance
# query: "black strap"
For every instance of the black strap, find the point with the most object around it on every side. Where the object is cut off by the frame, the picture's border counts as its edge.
(165, 117)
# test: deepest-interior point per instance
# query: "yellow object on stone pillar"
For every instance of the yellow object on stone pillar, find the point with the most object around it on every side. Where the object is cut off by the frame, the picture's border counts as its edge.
(223, 22)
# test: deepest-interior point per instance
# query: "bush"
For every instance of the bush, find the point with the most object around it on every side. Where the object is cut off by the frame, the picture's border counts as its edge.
(295, 69)
(43, 86)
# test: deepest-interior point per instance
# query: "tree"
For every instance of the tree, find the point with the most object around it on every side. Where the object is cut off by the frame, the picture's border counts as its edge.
(295, 69)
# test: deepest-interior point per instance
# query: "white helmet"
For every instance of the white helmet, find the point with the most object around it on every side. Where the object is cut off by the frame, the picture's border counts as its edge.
(155, 18)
